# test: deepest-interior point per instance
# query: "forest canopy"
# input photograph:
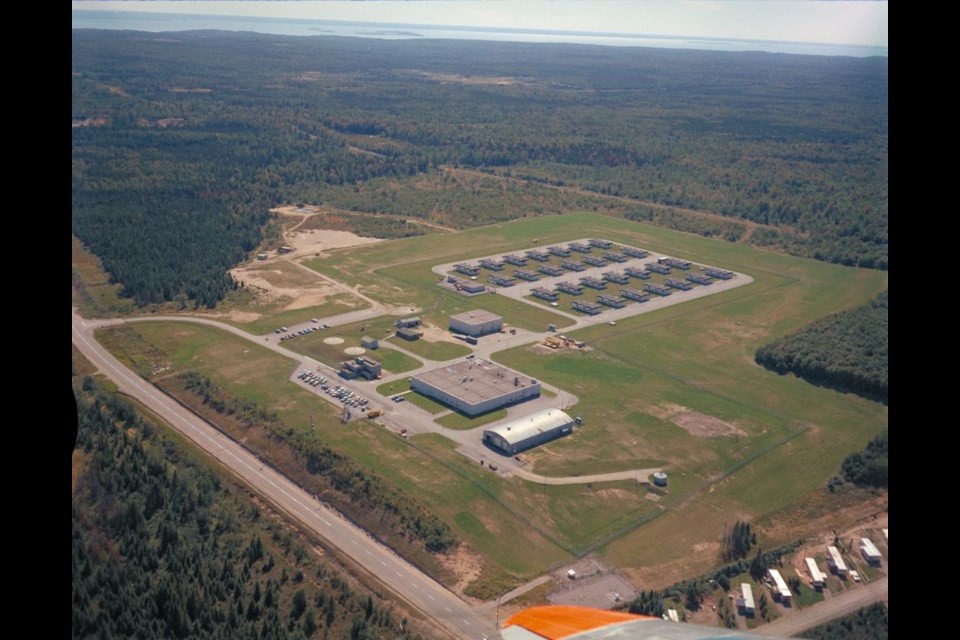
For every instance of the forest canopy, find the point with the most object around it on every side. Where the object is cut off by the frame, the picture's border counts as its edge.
(183, 142)
(846, 351)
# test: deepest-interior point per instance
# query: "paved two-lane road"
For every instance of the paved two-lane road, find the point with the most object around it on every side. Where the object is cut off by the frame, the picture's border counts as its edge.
(408, 582)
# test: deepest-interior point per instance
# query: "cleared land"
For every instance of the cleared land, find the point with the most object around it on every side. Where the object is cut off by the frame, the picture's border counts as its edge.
(676, 387)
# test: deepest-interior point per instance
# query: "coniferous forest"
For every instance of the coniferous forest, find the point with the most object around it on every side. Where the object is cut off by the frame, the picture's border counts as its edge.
(846, 351)
(161, 549)
(182, 142)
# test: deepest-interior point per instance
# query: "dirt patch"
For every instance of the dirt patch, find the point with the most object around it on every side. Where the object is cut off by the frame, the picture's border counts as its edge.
(464, 564)
(354, 351)
(695, 423)
(333, 340)
(432, 333)
(312, 241)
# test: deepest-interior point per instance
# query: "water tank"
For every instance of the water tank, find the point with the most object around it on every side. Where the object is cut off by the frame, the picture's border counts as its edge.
(660, 479)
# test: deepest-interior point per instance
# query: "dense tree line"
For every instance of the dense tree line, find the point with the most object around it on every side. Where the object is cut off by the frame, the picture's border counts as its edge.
(201, 134)
(846, 351)
(352, 485)
(162, 550)
(868, 623)
(867, 468)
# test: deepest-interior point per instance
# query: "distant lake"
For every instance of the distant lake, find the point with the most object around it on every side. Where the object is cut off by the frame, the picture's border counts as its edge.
(137, 21)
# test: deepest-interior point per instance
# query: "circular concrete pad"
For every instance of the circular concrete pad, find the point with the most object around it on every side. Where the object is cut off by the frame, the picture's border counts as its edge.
(333, 341)
(354, 351)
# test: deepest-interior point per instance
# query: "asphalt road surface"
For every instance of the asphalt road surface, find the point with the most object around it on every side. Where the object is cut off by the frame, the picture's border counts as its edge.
(406, 581)
(839, 605)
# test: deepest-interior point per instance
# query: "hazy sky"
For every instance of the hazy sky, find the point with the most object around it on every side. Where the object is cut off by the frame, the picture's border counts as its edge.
(834, 22)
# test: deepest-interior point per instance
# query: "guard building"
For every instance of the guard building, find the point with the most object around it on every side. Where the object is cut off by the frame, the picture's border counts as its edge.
(529, 431)
(476, 323)
(474, 386)
(360, 367)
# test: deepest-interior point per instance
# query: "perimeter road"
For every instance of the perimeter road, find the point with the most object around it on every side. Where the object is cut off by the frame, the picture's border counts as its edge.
(405, 580)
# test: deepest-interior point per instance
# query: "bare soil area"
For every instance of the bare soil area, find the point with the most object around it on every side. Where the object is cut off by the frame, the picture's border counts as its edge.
(695, 423)
(465, 565)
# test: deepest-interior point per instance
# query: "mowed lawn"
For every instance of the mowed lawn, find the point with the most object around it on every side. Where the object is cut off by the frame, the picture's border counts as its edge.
(675, 388)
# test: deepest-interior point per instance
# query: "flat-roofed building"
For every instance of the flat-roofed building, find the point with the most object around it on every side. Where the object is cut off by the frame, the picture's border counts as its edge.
(408, 333)
(407, 322)
(611, 301)
(816, 576)
(529, 431)
(616, 257)
(503, 281)
(360, 367)
(473, 287)
(633, 252)
(781, 592)
(593, 283)
(613, 276)
(474, 386)
(493, 265)
(719, 273)
(540, 256)
(595, 261)
(870, 552)
(514, 259)
(550, 271)
(835, 561)
(745, 603)
(476, 323)
(586, 307)
(467, 269)
(530, 276)
(544, 294)
(637, 273)
(569, 287)
(598, 242)
(563, 252)
(573, 266)
(579, 246)
(633, 294)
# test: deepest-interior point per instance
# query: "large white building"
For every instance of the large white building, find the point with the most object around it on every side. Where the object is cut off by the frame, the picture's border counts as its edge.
(474, 386)
(529, 431)
(476, 323)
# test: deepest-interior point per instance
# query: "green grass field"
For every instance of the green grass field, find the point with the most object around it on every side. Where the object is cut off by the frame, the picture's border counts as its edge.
(461, 421)
(676, 388)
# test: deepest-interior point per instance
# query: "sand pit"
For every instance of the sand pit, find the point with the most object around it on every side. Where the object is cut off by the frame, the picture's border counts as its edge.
(333, 341)
(354, 351)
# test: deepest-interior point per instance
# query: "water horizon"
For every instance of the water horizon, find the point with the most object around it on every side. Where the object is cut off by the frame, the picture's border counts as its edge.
(310, 27)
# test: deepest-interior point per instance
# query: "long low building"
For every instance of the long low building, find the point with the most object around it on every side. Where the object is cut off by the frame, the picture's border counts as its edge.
(529, 431)
(474, 386)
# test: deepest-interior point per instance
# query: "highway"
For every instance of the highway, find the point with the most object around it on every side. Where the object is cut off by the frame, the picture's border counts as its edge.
(403, 579)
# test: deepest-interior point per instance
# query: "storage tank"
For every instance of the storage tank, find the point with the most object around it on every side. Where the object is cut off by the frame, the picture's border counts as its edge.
(660, 479)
